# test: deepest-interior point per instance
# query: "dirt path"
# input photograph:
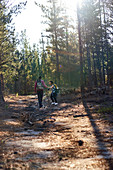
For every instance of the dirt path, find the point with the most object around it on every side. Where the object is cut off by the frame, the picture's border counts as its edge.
(72, 135)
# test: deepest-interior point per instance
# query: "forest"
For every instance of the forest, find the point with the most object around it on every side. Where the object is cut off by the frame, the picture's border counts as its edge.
(75, 53)
(70, 128)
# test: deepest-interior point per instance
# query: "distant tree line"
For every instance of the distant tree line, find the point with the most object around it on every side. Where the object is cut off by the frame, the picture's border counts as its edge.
(96, 19)
(65, 47)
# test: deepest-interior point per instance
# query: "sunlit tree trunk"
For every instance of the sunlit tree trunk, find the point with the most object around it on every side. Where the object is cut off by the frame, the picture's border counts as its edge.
(106, 45)
(56, 46)
(102, 46)
(68, 58)
(80, 51)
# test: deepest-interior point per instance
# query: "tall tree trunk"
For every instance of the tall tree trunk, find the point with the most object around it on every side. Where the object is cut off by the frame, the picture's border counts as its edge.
(80, 51)
(1, 94)
(89, 67)
(68, 58)
(95, 75)
(102, 47)
(25, 83)
(99, 65)
(44, 58)
(103, 65)
(56, 46)
(107, 67)
(106, 44)
(97, 52)
(57, 68)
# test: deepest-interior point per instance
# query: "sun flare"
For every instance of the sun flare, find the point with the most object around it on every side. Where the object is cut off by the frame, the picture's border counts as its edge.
(71, 6)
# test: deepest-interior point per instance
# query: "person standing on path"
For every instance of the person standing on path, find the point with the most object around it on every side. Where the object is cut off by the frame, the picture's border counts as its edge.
(39, 89)
(53, 93)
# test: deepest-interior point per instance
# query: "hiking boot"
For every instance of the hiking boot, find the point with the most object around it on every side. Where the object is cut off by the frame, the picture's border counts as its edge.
(41, 109)
(52, 103)
(43, 106)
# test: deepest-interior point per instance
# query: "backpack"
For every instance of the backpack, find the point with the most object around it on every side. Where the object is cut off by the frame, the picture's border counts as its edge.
(39, 85)
(55, 89)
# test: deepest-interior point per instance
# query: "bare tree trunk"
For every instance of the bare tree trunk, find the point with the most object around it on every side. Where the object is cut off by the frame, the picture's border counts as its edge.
(95, 75)
(1, 94)
(68, 58)
(99, 65)
(107, 67)
(56, 46)
(57, 68)
(102, 45)
(80, 51)
(89, 67)
(97, 52)
(106, 43)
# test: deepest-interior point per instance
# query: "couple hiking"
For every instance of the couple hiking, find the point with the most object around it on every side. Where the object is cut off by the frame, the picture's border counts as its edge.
(39, 89)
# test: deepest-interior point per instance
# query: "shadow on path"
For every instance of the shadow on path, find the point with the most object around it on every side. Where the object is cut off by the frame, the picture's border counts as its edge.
(100, 142)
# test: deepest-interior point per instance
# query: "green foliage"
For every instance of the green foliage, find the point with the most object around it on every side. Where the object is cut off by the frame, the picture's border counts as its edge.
(105, 110)
(24, 69)
(6, 106)
(7, 42)
(59, 59)
(96, 38)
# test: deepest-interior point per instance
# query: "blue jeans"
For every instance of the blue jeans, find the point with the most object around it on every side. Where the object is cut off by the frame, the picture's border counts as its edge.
(40, 97)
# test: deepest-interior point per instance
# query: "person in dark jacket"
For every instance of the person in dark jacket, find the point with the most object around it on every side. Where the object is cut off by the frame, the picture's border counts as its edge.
(53, 95)
(39, 89)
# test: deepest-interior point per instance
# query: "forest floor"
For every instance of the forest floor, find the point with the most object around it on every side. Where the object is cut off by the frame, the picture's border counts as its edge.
(75, 135)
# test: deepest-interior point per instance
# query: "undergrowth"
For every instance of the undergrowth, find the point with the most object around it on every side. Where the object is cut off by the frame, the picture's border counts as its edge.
(106, 110)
